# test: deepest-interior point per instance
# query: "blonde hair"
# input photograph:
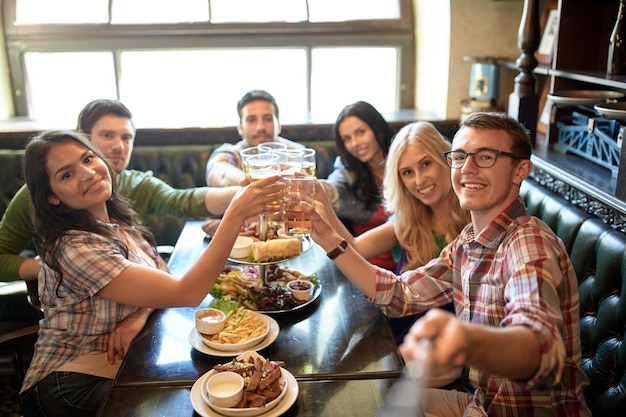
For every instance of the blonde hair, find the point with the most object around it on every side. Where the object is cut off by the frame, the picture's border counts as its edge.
(413, 222)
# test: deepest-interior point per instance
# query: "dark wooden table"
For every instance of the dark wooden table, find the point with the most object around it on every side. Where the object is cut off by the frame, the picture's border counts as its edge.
(341, 340)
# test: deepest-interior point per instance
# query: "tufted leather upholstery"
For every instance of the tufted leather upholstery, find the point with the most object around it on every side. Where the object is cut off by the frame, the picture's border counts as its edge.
(598, 254)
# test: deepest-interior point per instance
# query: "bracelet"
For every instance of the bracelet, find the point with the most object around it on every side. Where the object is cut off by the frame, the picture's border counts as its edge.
(341, 248)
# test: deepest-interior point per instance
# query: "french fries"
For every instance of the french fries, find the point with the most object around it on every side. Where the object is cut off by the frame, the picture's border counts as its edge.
(240, 326)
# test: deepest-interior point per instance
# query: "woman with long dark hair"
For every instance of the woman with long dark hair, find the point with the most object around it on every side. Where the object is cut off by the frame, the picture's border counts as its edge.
(100, 267)
(362, 138)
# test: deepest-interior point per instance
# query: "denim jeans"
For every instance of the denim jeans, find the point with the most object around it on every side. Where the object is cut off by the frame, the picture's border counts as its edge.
(66, 394)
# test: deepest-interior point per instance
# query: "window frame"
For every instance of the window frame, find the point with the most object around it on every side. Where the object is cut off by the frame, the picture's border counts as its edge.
(116, 38)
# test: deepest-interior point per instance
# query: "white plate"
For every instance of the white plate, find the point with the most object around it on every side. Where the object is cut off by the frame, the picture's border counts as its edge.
(229, 347)
(573, 97)
(196, 341)
(204, 410)
(612, 110)
(307, 243)
(246, 412)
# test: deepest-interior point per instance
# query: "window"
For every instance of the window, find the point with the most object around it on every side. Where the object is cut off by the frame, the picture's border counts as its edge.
(184, 63)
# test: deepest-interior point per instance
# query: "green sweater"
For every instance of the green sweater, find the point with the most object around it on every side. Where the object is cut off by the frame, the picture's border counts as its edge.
(149, 194)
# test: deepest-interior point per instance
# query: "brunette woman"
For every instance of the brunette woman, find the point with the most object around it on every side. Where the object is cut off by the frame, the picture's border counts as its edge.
(362, 138)
(99, 268)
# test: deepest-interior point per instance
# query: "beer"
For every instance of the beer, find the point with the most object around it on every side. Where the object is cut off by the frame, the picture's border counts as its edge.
(297, 189)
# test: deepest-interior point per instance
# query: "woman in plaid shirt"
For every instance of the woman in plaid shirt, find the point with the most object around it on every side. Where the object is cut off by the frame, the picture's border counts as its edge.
(100, 268)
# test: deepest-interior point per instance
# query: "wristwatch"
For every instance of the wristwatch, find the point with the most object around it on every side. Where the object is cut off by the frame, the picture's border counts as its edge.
(341, 248)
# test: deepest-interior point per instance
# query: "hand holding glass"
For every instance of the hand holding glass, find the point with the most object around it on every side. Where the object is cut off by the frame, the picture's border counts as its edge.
(290, 161)
(247, 153)
(262, 166)
(309, 161)
(297, 189)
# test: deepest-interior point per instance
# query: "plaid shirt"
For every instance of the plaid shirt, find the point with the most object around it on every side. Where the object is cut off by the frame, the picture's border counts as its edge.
(226, 153)
(515, 272)
(78, 321)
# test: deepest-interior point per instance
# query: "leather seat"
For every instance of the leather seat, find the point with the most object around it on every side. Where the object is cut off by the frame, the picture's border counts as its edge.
(598, 254)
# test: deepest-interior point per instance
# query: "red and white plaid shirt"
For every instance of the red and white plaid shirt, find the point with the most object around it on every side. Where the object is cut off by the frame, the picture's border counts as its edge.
(515, 272)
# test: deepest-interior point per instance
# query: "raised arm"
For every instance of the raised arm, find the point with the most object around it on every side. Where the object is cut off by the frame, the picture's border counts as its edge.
(512, 352)
(223, 167)
(370, 244)
(16, 232)
(217, 199)
(359, 271)
(148, 287)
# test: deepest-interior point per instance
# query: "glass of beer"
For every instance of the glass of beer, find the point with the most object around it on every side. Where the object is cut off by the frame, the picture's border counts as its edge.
(308, 161)
(262, 166)
(297, 189)
(248, 152)
(271, 146)
(290, 161)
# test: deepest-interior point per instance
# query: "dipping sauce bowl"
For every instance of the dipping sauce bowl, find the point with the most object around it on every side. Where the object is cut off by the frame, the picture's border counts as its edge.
(225, 389)
(301, 289)
(210, 320)
(242, 247)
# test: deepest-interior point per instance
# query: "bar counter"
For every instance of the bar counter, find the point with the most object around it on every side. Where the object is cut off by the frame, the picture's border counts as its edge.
(339, 347)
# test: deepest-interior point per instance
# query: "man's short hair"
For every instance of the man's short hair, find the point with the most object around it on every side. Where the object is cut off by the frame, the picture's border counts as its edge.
(96, 109)
(522, 144)
(254, 95)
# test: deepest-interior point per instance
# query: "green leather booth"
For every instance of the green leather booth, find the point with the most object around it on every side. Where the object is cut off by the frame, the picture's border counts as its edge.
(180, 166)
(598, 253)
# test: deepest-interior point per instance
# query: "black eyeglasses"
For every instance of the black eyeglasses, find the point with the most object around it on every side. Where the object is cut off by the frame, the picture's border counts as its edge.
(484, 158)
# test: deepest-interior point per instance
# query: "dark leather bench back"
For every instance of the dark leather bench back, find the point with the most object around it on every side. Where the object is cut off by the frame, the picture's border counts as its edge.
(180, 166)
(598, 254)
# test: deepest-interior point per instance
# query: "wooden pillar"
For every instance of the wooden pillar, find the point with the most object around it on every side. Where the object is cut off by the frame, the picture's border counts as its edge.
(524, 101)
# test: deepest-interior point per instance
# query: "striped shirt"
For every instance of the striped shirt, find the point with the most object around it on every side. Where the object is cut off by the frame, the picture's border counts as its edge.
(514, 272)
(76, 320)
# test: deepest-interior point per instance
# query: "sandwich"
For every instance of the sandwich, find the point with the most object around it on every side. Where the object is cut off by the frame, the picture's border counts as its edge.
(276, 249)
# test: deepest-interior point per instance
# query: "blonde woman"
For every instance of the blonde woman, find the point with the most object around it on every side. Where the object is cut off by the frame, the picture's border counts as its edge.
(418, 189)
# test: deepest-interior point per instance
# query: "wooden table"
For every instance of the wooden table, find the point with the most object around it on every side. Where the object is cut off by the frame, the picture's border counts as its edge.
(341, 340)
(358, 398)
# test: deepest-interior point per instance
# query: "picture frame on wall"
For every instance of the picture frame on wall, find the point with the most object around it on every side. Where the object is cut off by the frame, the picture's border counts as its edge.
(548, 38)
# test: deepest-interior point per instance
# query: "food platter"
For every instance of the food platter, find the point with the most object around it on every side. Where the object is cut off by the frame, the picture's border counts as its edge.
(246, 412)
(316, 293)
(579, 97)
(260, 329)
(203, 409)
(612, 110)
(307, 243)
(195, 339)
(264, 292)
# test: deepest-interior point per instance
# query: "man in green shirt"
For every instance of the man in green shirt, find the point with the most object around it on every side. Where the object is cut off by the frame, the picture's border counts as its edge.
(109, 124)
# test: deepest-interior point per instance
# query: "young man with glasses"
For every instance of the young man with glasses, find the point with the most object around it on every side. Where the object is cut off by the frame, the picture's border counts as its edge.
(510, 278)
